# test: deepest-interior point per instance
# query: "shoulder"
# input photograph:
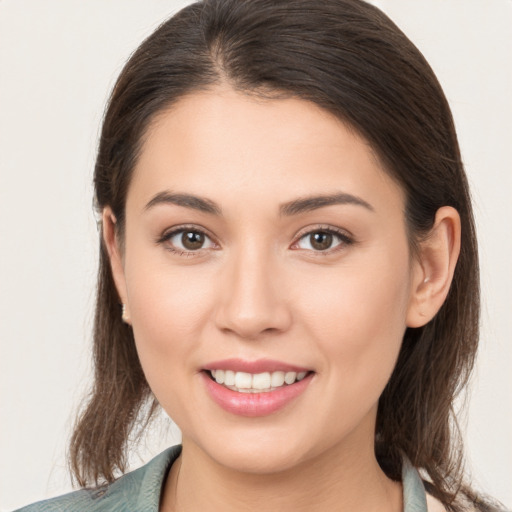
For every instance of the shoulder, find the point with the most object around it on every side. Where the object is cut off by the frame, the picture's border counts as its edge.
(140, 489)
(74, 501)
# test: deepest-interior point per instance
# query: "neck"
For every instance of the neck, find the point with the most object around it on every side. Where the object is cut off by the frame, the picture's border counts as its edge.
(342, 482)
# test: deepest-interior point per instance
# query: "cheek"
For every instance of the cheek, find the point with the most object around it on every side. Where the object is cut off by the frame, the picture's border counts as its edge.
(168, 310)
(358, 314)
(167, 307)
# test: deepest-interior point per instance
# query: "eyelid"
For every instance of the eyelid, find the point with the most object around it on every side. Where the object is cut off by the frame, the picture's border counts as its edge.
(346, 237)
(173, 231)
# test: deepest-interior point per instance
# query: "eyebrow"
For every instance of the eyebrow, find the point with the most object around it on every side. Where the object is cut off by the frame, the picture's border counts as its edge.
(295, 207)
(186, 200)
(309, 203)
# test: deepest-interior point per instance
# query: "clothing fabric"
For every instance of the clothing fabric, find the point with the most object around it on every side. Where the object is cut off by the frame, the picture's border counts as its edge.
(139, 491)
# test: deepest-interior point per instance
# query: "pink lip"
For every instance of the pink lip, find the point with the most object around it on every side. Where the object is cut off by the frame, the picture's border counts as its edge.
(258, 366)
(254, 404)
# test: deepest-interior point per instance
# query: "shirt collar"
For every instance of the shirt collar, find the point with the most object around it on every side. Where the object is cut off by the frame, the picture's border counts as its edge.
(414, 496)
(415, 499)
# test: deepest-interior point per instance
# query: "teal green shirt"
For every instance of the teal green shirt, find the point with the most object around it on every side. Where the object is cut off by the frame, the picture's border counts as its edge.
(139, 491)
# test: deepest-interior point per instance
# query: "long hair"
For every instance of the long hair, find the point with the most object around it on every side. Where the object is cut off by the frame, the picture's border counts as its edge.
(350, 59)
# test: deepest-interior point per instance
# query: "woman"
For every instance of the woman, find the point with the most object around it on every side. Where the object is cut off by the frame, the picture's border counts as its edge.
(288, 267)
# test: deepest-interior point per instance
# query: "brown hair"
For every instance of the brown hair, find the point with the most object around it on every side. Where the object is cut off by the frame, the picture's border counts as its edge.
(349, 58)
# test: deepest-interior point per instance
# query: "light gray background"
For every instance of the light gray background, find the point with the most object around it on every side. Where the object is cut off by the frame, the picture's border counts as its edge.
(58, 61)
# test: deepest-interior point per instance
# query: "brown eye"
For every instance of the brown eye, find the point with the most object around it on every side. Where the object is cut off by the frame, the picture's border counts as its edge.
(324, 240)
(192, 240)
(321, 240)
(187, 240)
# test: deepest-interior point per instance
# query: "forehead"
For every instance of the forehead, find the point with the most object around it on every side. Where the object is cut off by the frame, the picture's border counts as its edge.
(227, 145)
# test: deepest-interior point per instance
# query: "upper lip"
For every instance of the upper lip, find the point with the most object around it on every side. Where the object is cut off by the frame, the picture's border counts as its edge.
(257, 366)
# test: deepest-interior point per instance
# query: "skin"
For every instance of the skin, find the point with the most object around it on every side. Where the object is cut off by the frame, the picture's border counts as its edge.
(258, 288)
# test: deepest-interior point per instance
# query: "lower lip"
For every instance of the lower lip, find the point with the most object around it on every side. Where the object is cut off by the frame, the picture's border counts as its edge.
(254, 404)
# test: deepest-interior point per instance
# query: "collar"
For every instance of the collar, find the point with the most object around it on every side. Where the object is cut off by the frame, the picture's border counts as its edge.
(414, 496)
(415, 499)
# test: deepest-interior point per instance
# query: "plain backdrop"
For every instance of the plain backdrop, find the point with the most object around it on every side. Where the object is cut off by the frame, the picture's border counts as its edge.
(58, 62)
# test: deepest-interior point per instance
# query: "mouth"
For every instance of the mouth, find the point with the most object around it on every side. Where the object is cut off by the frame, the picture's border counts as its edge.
(255, 388)
(265, 382)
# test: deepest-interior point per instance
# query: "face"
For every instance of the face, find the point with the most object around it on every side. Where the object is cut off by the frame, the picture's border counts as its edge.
(264, 242)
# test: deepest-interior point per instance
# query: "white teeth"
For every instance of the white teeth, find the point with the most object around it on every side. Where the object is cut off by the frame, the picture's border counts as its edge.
(243, 380)
(261, 381)
(277, 379)
(290, 377)
(229, 378)
(219, 376)
(254, 383)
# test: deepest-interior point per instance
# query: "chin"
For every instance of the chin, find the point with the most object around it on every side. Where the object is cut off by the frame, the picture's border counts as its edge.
(258, 460)
(261, 453)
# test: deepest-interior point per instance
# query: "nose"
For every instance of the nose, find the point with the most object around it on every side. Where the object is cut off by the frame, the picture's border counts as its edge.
(253, 299)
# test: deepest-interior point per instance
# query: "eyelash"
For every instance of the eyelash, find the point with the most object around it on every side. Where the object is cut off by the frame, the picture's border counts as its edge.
(182, 229)
(343, 237)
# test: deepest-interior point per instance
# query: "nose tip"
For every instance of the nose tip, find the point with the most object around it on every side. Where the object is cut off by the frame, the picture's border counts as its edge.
(249, 327)
(253, 303)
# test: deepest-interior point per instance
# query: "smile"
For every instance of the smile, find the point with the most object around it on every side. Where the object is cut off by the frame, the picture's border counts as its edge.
(244, 382)
(255, 388)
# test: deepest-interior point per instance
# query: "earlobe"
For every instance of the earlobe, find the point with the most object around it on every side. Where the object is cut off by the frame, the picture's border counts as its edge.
(112, 245)
(434, 267)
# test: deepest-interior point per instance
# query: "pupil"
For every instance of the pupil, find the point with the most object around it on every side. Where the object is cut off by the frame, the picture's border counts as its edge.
(321, 241)
(192, 240)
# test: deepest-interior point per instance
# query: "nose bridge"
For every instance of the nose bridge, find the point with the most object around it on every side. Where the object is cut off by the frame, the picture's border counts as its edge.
(252, 301)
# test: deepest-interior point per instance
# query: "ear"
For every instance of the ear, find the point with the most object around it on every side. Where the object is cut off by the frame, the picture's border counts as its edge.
(116, 259)
(434, 266)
